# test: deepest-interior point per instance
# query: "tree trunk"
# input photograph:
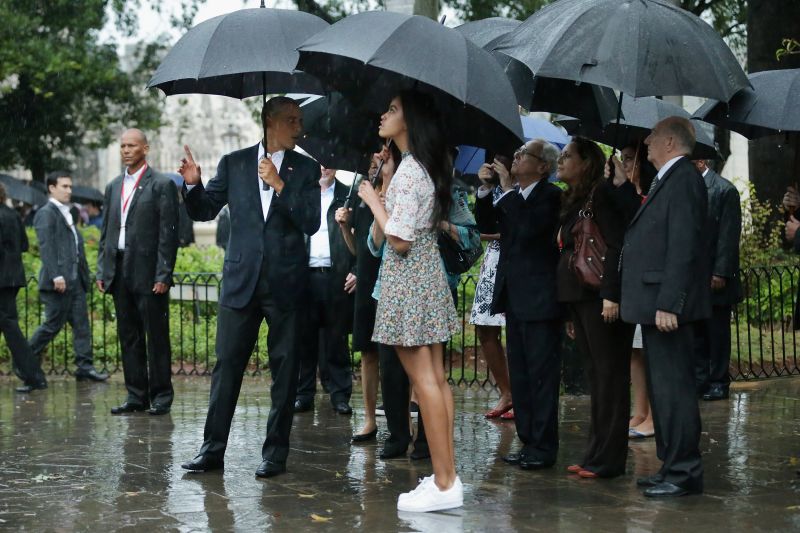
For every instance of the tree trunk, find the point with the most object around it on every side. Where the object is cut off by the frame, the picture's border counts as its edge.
(427, 8)
(774, 161)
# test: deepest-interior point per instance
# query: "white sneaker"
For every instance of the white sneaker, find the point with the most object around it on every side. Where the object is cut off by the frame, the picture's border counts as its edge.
(422, 482)
(427, 497)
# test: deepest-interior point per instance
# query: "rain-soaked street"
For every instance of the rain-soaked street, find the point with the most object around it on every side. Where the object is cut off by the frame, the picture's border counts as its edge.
(66, 464)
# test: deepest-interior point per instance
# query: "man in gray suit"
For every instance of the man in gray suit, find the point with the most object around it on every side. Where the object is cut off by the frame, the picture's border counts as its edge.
(713, 336)
(64, 277)
(665, 288)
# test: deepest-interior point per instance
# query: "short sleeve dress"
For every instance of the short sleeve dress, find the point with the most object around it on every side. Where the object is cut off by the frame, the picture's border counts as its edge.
(415, 307)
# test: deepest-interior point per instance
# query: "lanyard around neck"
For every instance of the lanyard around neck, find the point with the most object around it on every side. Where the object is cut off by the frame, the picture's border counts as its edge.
(126, 201)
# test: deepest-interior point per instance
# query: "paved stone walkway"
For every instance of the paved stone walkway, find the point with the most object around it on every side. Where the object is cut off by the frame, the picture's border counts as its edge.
(66, 464)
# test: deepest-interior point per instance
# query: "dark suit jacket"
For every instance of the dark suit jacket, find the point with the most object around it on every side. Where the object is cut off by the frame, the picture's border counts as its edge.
(57, 249)
(665, 260)
(151, 233)
(724, 233)
(280, 241)
(526, 271)
(13, 241)
(613, 209)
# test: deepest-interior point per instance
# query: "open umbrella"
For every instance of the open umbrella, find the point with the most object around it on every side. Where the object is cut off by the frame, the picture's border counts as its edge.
(245, 53)
(771, 106)
(371, 56)
(486, 32)
(83, 194)
(20, 190)
(638, 47)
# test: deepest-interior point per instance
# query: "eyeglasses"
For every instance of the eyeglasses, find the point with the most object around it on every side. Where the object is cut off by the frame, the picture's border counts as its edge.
(521, 152)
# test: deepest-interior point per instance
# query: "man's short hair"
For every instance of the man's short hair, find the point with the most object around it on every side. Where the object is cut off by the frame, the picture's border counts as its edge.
(274, 106)
(683, 130)
(550, 155)
(52, 178)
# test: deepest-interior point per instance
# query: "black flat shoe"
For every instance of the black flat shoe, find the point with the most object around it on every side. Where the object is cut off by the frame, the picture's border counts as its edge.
(665, 489)
(343, 408)
(269, 468)
(157, 410)
(203, 463)
(301, 406)
(420, 452)
(128, 408)
(650, 481)
(90, 375)
(364, 437)
(513, 458)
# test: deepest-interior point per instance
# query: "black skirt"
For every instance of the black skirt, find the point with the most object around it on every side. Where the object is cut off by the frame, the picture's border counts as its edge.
(367, 267)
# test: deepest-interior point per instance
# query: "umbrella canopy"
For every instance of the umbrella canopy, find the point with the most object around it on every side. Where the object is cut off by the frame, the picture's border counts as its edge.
(246, 53)
(639, 47)
(371, 56)
(771, 106)
(20, 190)
(82, 194)
(486, 32)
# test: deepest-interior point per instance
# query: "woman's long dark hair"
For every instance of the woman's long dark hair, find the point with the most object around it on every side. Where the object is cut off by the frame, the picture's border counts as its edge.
(426, 142)
(594, 159)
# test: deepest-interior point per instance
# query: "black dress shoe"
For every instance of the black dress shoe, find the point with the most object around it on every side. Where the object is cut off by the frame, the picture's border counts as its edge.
(665, 489)
(269, 468)
(157, 409)
(343, 408)
(30, 387)
(716, 392)
(301, 406)
(650, 481)
(90, 375)
(531, 463)
(128, 407)
(391, 451)
(204, 463)
(420, 452)
(364, 437)
(513, 458)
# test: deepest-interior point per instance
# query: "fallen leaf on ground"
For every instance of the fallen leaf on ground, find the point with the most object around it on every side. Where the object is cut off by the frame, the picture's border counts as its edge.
(318, 518)
(306, 495)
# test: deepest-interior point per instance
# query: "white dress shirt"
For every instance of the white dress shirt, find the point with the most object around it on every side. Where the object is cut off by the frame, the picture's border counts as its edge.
(705, 172)
(320, 245)
(524, 192)
(64, 209)
(128, 191)
(266, 196)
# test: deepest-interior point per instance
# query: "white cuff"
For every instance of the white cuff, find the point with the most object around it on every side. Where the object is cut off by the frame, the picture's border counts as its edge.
(483, 191)
(190, 187)
(59, 278)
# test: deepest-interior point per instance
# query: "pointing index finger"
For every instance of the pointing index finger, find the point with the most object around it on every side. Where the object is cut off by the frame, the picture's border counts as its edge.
(188, 153)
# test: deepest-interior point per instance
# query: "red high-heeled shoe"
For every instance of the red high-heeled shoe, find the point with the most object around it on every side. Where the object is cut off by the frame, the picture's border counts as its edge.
(587, 474)
(574, 468)
(508, 416)
(497, 413)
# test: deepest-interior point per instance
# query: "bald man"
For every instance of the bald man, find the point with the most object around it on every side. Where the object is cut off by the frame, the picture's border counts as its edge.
(138, 246)
(665, 287)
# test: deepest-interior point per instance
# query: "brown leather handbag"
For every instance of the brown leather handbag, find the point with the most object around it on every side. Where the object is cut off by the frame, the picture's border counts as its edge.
(589, 257)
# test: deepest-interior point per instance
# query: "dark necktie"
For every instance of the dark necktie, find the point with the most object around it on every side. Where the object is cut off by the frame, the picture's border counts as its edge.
(653, 185)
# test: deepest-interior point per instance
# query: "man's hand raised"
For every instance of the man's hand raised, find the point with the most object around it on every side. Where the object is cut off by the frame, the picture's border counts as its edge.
(189, 169)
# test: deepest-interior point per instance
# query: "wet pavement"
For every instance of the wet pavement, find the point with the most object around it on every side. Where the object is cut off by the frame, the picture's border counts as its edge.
(66, 464)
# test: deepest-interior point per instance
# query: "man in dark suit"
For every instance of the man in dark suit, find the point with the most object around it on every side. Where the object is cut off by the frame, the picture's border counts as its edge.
(525, 289)
(64, 277)
(14, 241)
(274, 199)
(138, 247)
(665, 288)
(713, 336)
(330, 306)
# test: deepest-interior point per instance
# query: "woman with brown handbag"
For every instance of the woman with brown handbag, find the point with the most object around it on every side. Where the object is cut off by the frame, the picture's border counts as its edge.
(595, 213)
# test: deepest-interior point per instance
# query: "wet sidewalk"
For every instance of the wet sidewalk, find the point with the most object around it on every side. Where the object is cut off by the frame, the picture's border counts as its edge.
(66, 464)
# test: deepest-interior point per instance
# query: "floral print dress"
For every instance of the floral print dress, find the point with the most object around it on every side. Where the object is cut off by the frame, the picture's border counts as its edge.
(415, 307)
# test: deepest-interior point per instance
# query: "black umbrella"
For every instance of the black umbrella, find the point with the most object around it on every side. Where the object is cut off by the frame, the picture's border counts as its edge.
(486, 32)
(641, 115)
(639, 47)
(83, 194)
(246, 53)
(371, 56)
(20, 190)
(771, 106)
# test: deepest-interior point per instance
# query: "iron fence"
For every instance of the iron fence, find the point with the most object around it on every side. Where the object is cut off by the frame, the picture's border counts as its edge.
(763, 341)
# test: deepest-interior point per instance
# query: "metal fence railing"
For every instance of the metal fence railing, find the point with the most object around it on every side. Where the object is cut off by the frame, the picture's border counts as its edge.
(763, 342)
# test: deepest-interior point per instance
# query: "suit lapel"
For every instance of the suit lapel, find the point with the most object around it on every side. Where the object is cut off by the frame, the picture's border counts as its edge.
(137, 193)
(654, 192)
(57, 211)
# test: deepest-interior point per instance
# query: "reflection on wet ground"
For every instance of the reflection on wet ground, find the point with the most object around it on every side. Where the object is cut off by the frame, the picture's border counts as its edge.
(67, 465)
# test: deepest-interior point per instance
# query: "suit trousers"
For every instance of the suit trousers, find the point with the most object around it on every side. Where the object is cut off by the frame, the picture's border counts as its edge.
(143, 329)
(713, 349)
(534, 366)
(606, 350)
(60, 308)
(24, 363)
(325, 343)
(237, 332)
(670, 372)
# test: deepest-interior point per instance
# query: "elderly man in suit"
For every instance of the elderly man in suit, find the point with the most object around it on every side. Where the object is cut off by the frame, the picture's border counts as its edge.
(330, 309)
(665, 288)
(274, 199)
(64, 277)
(138, 247)
(14, 242)
(525, 289)
(713, 336)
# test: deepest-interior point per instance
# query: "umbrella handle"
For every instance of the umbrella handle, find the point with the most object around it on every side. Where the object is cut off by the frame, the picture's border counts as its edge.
(611, 169)
(374, 178)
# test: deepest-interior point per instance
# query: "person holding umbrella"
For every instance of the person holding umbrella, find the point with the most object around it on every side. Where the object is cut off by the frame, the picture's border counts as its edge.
(415, 312)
